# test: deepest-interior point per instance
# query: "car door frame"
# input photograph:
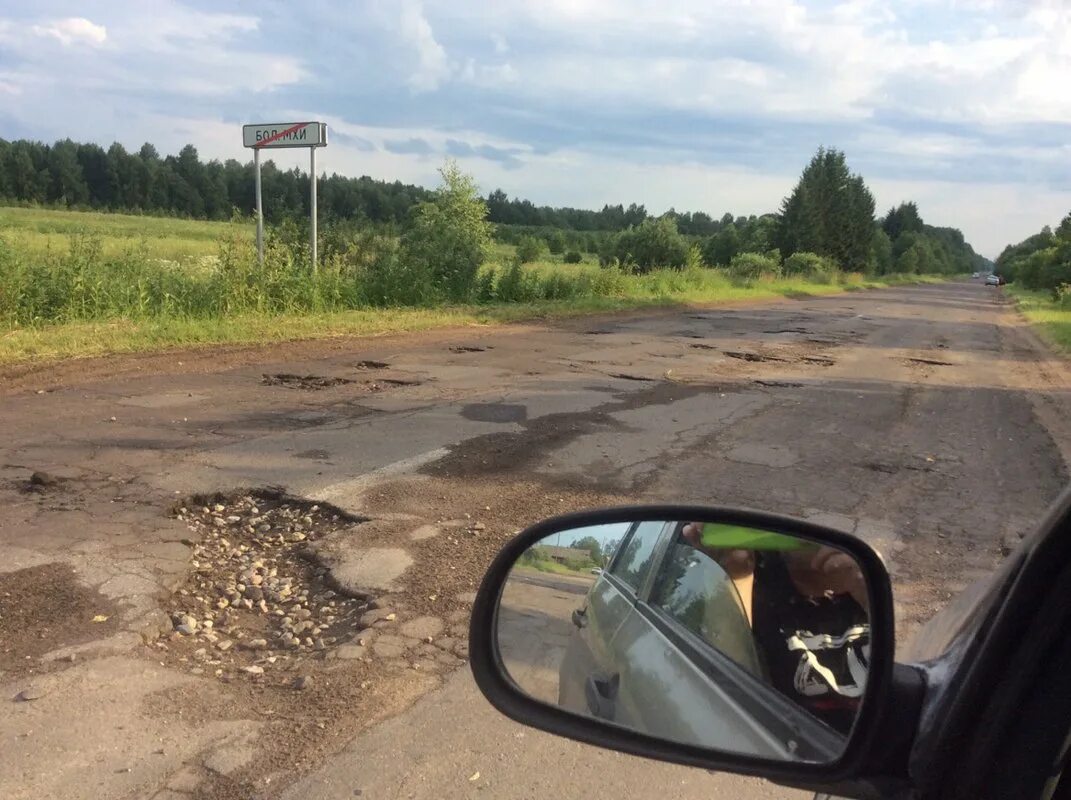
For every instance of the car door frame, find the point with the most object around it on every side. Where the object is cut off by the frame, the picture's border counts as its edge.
(747, 690)
(1010, 652)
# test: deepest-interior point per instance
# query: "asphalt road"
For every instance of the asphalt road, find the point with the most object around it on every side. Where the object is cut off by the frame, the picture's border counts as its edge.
(925, 419)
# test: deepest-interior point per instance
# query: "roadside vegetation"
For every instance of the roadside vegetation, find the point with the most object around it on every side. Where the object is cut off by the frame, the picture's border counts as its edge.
(1038, 270)
(85, 283)
(540, 559)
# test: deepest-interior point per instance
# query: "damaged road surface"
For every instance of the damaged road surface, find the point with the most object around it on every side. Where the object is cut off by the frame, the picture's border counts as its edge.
(248, 573)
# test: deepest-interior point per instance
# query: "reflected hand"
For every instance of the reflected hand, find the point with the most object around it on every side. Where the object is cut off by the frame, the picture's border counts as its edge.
(828, 571)
(736, 563)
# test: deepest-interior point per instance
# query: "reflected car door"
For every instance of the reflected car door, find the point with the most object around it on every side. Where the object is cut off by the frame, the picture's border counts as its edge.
(586, 675)
(690, 670)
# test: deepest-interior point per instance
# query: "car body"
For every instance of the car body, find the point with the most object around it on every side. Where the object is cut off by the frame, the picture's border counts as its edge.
(977, 275)
(662, 607)
(993, 280)
(596, 570)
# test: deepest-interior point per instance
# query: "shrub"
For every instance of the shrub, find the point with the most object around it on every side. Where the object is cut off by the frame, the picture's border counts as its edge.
(529, 249)
(651, 244)
(572, 257)
(450, 236)
(1062, 295)
(811, 266)
(753, 265)
(556, 242)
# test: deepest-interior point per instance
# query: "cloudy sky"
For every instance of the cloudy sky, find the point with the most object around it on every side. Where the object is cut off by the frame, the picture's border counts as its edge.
(961, 105)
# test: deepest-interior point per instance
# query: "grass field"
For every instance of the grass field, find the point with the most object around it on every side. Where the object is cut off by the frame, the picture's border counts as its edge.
(77, 284)
(38, 231)
(1052, 320)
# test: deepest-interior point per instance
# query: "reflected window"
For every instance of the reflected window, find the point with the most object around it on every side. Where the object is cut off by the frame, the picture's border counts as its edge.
(635, 557)
(693, 589)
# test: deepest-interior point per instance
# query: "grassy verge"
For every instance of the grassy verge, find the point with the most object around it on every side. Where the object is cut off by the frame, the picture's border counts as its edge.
(1052, 320)
(664, 289)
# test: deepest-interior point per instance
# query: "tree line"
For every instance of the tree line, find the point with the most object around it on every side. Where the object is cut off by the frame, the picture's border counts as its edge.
(85, 175)
(830, 212)
(1041, 261)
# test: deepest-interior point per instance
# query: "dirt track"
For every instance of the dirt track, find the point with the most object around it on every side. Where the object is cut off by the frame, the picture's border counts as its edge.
(925, 419)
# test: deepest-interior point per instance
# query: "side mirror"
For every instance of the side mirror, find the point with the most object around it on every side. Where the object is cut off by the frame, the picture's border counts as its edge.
(718, 638)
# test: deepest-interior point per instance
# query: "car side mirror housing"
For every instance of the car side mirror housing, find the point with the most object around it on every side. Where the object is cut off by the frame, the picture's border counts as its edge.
(719, 638)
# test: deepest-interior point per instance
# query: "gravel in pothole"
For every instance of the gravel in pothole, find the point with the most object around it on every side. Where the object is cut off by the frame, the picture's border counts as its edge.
(255, 601)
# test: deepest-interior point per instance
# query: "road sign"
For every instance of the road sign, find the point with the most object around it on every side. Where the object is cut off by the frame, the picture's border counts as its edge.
(285, 134)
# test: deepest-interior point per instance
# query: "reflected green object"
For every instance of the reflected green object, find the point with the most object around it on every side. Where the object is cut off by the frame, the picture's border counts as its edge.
(734, 537)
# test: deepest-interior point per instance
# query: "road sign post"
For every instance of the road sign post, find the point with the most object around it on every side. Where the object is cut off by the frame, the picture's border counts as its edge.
(312, 208)
(282, 135)
(260, 209)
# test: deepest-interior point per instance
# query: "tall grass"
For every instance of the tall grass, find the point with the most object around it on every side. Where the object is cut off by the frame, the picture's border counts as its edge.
(1051, 317)
(84, 283)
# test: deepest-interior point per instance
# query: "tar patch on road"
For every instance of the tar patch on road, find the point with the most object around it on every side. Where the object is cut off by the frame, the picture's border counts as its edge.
(495, 412)
(502, 454)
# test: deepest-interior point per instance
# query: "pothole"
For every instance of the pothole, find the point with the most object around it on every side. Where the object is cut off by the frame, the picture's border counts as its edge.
(598, 333)
(307, 382)
(629, 376)
(313, 455)
(467, 348)
(367, 364)
(778, 384)
(749, 356)
(703, 346)
(41, 482)
(933, 362)
(776, 331)
(821, 361)
(255, 600)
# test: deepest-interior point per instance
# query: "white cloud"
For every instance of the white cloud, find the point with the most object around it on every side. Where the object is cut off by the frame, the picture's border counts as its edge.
(433, 66)
(848, 61)
(165, 49)
(73, 30)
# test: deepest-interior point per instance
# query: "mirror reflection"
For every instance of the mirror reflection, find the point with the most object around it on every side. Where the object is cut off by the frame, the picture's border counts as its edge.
(736, 639)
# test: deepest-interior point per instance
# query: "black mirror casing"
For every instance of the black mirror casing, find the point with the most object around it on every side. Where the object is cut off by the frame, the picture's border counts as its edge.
(871, 761)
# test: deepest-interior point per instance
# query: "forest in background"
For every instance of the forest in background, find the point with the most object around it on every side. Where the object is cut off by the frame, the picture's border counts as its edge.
(829, 214)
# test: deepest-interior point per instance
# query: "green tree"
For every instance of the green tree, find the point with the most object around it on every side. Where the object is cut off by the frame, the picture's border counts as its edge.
(881, 253)
(556, 242)
(902, 219)
(653, 243)
(908, 261)
(591, 544)
(68, 184)
(450, 235)
(830, 212)
(722, 247)
(529, 249)
(26, 179)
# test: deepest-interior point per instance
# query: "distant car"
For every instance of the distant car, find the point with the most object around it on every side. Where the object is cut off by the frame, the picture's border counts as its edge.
(596, 570)
(993, 280)
(977, 275)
